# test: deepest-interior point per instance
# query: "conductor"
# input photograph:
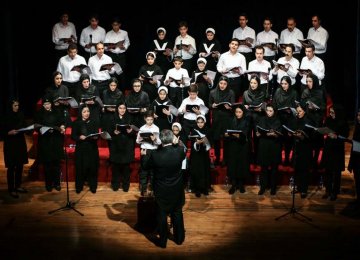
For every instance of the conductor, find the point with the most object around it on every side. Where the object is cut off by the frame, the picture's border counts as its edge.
(168, 186)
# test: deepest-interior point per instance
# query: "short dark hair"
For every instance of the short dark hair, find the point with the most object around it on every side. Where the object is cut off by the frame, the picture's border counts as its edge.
(166, 136)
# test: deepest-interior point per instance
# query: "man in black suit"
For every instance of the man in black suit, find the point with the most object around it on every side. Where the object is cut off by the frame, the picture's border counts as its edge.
(168, 186)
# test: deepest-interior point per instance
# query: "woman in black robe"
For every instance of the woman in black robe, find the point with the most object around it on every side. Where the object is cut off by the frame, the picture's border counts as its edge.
(112, 97)
(15, 150)
(163, 48)
(162, 117)
(334, 150)
(199, 163)
(86, 151)
(269, 149)
(122, 150)
(137, 103)
(253, 100)
(221, 113)
(284, 102)
(56, 91)
(146, 74)
(354, 162)
(51, 143)
(88, 94)
(314, 94)
(302, 149)
(238, 150)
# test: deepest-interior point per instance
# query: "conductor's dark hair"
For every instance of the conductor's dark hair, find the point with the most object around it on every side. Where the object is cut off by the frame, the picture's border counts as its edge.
(166, 136)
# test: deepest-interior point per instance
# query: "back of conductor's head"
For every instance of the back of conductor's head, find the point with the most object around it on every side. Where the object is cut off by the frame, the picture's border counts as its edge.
(166, 136)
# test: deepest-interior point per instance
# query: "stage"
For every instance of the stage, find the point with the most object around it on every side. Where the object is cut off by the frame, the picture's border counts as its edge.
(217, 226)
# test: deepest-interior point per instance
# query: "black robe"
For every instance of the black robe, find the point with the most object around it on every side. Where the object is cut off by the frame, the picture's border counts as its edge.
(138, 100)
(162, 121)
(51, 143)
(147, 71)
(163, 61)
(269, 146)
(110, 98)
(122, 148)
(238, 155)
(203, 86)
(95, 108)
(15, 150)
(216, 46)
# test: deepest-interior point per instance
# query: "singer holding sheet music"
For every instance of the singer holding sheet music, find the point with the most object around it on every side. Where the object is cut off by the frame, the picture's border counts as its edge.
(238, 149)
(117, 41)
(302, 150)
(268, 39)
(334, 150)
(185, 46)
(50, 144)
(92, 34)
(121, 148)
(86, 151)
(66, 66)
(15, 150)
(57, 90)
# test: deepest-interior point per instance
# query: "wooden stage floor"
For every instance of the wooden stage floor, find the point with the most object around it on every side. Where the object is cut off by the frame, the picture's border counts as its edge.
(219, 226)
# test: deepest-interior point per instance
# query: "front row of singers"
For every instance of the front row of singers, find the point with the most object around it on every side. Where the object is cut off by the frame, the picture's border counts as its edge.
(244, 130)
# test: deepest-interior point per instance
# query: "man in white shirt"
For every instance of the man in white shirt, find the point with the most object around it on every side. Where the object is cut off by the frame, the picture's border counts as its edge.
(292, 35)
(63, 33)
(232, 64)
(92, 35)
(71, 75)
(319, 37)
(117, 42)
(268, 39)
(246, 37)
(185, 46)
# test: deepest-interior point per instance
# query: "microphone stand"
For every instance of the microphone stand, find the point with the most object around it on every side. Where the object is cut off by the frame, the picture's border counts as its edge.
(69, 204)
(293, 211)
(90, 45)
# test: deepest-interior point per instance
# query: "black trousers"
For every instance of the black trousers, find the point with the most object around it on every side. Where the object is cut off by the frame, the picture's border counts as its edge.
(52, 173)
(332, 181)
(120, 170)
(14, 175)
(177, 221)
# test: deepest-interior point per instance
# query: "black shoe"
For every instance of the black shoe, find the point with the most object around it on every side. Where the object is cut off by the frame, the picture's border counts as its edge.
(242, 189)
(261, 191)
(232, 190)
(325, 196)
(57, 187)
(14, 194)
(198, 194)
(206, 193)
(78, 190)
(93, 190)
(142, 193)
(273, 192)
(125, 189)
(114, 188)
(21, 190)
(48, 188)
(333, 197)
(303, 195)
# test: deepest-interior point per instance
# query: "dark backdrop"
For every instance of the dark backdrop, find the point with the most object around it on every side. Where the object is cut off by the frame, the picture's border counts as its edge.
(27, 48)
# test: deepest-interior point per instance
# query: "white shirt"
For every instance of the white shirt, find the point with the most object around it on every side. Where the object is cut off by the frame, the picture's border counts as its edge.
(242, 34)
(97, 35)
(114, 37)
(177, 75)
(66, 64)
(291, 72)
(227, 61)
(95, 63)
(188, 40)
(320, 36)
(63, 31)
(287, 37)
(316, 65)
(267, 37)
(187, 101)
(145, 129)
(262, 66)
